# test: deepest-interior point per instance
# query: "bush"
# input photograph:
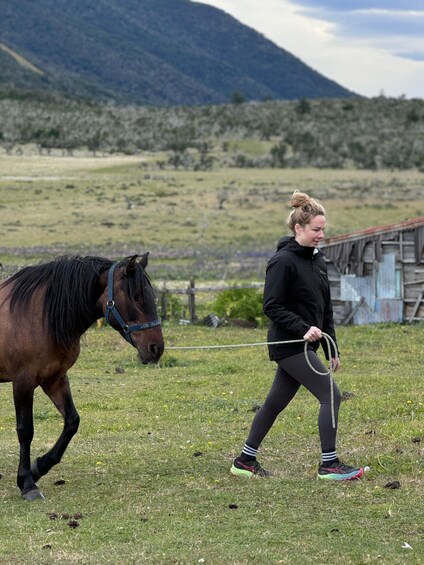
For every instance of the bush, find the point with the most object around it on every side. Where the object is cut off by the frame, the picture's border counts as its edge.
(175, 308)
(241, 304)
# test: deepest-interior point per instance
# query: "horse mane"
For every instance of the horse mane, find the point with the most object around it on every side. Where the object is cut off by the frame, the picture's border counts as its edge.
(71, 290)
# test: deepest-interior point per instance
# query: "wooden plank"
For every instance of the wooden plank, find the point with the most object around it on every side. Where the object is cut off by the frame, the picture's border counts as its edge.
(351, 314)
(421, 281)
(416, 307)
(189, 290)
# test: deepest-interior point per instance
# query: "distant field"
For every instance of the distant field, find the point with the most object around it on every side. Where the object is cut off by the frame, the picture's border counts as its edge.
(204, 223)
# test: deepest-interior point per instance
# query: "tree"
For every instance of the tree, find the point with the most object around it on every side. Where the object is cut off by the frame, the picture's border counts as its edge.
(278, 154)
(303, 107)
(238, 97)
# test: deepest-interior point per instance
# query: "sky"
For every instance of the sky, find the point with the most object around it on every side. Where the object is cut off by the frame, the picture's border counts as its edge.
(371, 47)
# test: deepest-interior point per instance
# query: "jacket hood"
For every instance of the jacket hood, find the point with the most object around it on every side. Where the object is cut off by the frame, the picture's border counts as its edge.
(290, 244)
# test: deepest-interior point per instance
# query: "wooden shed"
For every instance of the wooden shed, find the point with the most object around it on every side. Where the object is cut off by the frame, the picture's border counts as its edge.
(377, 274)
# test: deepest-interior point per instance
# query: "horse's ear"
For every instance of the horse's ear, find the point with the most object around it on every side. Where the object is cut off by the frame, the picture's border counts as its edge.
(131, 265)
(143, 260)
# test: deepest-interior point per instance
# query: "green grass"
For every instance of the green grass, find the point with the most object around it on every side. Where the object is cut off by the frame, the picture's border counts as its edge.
(52, 205)
(149, 469)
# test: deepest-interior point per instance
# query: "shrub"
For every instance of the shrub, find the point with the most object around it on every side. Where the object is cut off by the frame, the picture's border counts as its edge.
(174, 309)
(241, 304)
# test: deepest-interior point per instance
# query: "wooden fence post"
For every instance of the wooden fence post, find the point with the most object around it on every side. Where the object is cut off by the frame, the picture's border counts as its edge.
(191, 292)
(164, 304)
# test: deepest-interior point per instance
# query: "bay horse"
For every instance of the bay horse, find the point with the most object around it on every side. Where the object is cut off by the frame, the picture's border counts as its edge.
(44, 311)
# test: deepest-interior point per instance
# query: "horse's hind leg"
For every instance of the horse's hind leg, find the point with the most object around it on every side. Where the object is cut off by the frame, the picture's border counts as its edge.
(23, 397)
(59, 393)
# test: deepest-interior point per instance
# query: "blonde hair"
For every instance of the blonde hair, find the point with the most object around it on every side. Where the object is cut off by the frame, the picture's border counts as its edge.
(304, 209)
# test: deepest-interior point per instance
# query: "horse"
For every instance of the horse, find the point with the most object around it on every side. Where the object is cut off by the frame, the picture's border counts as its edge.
(44, 311)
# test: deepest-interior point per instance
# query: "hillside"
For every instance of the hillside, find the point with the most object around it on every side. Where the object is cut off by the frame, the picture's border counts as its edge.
(151, 52)
(360, 133)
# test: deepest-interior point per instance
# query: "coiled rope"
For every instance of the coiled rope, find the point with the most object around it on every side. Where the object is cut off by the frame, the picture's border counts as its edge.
(331, 346)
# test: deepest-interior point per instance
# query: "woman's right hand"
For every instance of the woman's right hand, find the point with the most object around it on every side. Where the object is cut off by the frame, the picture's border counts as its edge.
(313, 334)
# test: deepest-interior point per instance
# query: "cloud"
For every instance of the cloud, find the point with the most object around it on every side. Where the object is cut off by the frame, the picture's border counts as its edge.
(397, 27)
(353, 5)
(370, 47)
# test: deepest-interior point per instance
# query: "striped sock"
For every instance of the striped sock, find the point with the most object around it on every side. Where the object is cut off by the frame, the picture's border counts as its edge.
(248, 453)
(328, 457)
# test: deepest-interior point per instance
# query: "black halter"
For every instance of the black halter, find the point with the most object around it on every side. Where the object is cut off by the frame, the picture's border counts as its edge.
(112, 309)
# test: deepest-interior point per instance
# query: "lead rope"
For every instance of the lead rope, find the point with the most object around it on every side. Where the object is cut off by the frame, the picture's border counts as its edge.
(331, 346)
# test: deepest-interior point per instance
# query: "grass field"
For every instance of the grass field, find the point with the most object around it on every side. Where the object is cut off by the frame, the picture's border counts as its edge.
(146, 480)
(194, 223)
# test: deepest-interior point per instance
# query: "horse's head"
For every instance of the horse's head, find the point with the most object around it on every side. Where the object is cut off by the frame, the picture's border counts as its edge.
(130, 307)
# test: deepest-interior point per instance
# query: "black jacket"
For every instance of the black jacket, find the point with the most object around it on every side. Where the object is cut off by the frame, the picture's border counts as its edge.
(296, 297)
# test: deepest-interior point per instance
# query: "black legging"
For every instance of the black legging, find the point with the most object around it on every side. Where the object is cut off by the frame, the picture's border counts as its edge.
(291, 373)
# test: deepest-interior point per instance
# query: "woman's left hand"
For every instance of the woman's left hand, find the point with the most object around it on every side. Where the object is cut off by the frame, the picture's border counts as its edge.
(335, 364)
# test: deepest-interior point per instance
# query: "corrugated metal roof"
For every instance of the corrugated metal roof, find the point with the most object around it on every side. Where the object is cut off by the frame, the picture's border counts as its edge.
(407, 224)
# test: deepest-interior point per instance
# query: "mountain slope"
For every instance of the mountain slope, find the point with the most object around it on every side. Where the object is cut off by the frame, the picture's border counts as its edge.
(160, 52)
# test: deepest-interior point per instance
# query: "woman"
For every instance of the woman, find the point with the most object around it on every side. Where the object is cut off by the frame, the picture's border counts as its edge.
(297, 302)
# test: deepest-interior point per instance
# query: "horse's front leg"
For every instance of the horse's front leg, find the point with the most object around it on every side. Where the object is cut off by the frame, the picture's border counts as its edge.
(23, 395)
(59, 393)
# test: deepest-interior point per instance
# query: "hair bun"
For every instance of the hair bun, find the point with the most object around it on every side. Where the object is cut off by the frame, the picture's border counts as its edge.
(299, 199)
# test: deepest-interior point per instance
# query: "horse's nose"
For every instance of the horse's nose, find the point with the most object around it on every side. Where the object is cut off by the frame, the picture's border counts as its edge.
(155, 351)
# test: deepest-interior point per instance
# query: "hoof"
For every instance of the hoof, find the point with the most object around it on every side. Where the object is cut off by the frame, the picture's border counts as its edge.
(34, 494)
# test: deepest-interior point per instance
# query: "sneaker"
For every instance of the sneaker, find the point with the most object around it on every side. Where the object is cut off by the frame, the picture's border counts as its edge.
(338, 471)
(248, 470)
